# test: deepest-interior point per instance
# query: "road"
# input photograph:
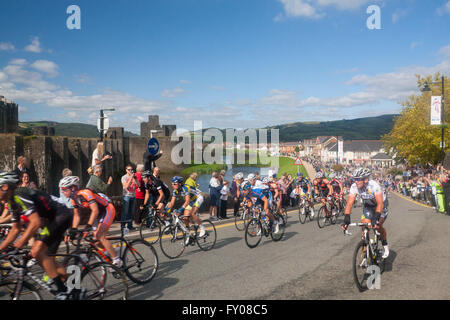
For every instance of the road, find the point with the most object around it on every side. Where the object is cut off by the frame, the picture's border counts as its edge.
(311, 263)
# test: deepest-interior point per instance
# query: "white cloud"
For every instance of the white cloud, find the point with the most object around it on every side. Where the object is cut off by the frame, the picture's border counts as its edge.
(185, 82)
(445, 51)
(172, 93)
(6, 46)
(19, 62)
(444, 9)
(314, 9)
(34, 46)
(48, 67)
(84, 79)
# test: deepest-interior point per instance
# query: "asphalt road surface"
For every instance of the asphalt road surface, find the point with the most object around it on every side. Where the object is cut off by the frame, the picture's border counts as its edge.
(311, 263)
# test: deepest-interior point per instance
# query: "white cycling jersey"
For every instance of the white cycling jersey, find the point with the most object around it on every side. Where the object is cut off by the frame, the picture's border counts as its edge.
(367, 192)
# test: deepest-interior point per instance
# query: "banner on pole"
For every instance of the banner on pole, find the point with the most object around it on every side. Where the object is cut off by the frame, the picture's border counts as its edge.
(436, 110)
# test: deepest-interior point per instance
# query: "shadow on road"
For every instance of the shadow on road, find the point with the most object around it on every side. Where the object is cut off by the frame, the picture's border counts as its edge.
(388, 263)
(219, 244)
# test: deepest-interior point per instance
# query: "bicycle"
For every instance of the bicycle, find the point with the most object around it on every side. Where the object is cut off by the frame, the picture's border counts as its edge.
(140, 260)
(260, 225)
(4, 230)
(340, 204)
(325, 215)
(241, 220)
(367, 255)
(93, 279)
(150, 222)
(173, 242)
(304, 210)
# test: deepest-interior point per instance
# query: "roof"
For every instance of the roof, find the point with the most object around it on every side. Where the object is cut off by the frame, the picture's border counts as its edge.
(359, 146)
(381, 156)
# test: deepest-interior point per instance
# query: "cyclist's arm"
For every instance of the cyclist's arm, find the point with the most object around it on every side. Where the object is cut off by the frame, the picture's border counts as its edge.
(187, 200)
(171, 204)
(12, 235)
(380, 202)
(350, 202)
(33, 226)
(147, 195)
(94, 213)
(161, 196)
(76, 218)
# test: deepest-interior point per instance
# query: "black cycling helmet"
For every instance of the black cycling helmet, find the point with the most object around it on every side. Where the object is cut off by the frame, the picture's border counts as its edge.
(146, 173)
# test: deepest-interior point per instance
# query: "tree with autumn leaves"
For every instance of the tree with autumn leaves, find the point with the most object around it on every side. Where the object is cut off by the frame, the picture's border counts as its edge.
(413, 139)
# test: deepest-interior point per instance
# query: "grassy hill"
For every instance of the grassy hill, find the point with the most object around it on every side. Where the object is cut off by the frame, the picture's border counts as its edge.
(371, 128)
(81, 130)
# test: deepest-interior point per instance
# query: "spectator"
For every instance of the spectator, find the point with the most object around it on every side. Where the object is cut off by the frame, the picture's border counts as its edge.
(22, 166)
(224, 199)
(96, 183)
(99, 155)
(150, 161)
(140, 195)
(25, 181)
(214, 194)
(129, 184)
(192, 180)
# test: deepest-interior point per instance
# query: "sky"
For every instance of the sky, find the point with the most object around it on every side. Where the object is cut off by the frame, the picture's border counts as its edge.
(227, 63)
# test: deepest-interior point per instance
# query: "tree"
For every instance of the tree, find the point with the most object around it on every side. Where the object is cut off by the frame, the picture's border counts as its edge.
(412, 138)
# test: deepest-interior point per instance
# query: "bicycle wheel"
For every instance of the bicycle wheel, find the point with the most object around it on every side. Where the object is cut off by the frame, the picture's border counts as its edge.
(285, 214)
(172, 244)
(333, 217)
(361, 262)
(253, 233)
(149, 225)
(140, 261)
(104, 281)
(208, 241)
(322, 217)
(281, 220)
(242, 219)
(343, 205)
(28, 292)
(302, 214)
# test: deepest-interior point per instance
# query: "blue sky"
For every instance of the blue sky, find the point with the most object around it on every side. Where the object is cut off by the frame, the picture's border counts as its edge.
(229, 63)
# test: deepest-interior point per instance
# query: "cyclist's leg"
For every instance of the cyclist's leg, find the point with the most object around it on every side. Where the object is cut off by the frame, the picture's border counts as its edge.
(103, 227)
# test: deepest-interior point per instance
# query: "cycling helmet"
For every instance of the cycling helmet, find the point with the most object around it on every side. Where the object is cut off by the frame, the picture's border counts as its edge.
(319, 175)
(146, 173)
(239, 176)
(246, 185)
(332, 175)
(9, 178)
(69, 181)
(361, 173)
(266, 180)
(300, 174)
(251, 177)
(178, 179)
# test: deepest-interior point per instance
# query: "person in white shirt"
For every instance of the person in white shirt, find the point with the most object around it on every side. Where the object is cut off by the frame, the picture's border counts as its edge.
(224, 199)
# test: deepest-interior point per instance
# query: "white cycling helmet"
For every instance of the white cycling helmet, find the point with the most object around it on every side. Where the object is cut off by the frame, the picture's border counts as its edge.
(319, 175)
(361, 173)
(9, 178)
(239, 176)
(251, 177)
(69, 181)
(332, 175)
(266, 180)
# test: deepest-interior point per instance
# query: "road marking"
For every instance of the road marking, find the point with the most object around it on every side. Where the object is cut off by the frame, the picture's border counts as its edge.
(410, 200)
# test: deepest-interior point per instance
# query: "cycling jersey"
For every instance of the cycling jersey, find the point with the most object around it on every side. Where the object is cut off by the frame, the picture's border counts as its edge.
(56, 218)
(84, 198)
(303, 184)
(154, 188)
(335, 185)
(196, 198)
(322, 185)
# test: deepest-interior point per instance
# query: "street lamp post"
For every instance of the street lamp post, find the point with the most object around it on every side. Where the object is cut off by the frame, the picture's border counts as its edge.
(427, 89)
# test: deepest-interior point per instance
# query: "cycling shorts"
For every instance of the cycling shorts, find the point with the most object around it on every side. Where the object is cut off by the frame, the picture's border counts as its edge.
(53, 233)
(107, 216)
(370, 213)
(196, 203)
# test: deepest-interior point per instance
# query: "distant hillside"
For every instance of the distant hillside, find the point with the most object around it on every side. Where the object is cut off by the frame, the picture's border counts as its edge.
(81, 130)
(371, 128)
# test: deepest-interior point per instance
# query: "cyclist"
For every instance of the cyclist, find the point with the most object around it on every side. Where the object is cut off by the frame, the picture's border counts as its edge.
(322, 187)
(263, 196)
(102, 210)
(304, 185)
(157, 193)
(193, 199)
(42, 212)
(338, 189)
(375, 203)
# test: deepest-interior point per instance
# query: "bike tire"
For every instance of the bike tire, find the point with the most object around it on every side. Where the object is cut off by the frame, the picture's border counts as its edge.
(322, 217)
(253, 233)
(285, 214)
(208, 241)
(302, 214)
(241, 220)
(104, 281)
(361, 262)
(140, 261)
(172, 244)
(155, 224)
(282, 227)
(28, 292)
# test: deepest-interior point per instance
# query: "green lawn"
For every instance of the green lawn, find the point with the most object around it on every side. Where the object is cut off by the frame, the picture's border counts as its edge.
(203, 169)
(287, 166)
